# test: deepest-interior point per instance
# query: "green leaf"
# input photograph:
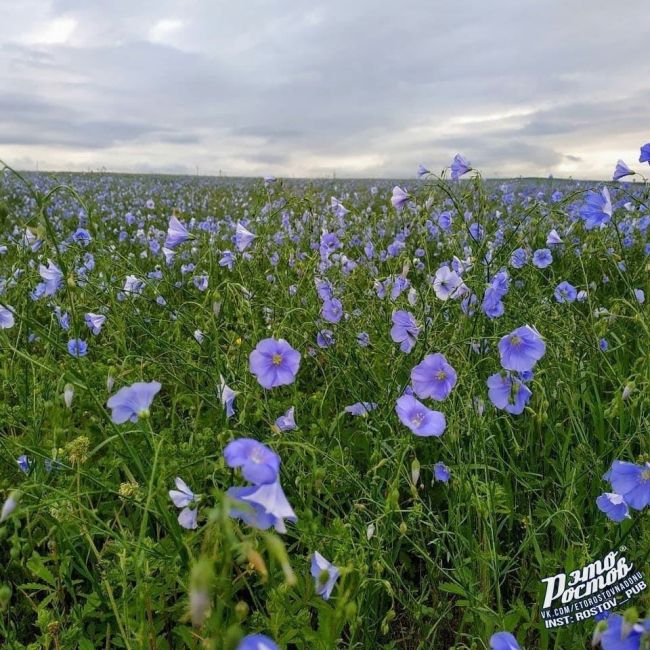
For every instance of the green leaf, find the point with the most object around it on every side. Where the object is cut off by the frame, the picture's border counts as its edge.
(36, 565)
(452, 588)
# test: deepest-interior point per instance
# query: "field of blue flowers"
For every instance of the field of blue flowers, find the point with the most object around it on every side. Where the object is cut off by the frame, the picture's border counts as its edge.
(240, 414)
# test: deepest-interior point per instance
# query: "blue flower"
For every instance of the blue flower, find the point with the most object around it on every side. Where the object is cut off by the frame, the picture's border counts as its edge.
(52, 278)
(399, 198)
(565, 292)
(324, 289)
(325, 338)
(433, 377)
(227, 396)
(645, 153)
(405, 330)
(200, 282)
(6, 317)
(363, 339)
(492, 304)
(448, 284)
(521, 349)
(133, 285)
(553, 238)
(441, 472)
(445, 220)
(360, 408)
(332, 310)
(77, 348)
(459, 166)
(23, 463)
(262, 506)
(286, 422)
(169, 255)
(542, 258)
(243, 237)
(81, 236)
(622, 170)
(468, 304)
(274, 362)
(184, 498)
(613, 505)
(421, 420)
(95, 322)
(503, 641)
(632, 482)
(132, 402)
(325, 575)
(519, 258)
(508, 393)
(63, 318)
(597, 209)
(399, 285)
(259, 464)
(476, 231)
(257, 642)
(338, 209)
(176, 233)
(227, 260)
(620, 635)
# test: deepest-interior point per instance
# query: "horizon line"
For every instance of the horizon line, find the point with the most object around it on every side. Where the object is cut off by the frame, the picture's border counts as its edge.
(313, 178)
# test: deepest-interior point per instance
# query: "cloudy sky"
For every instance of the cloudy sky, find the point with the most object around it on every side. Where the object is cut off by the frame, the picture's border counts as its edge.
(355, 87)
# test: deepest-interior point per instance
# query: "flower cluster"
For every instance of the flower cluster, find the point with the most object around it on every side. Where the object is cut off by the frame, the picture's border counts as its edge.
(519, 352)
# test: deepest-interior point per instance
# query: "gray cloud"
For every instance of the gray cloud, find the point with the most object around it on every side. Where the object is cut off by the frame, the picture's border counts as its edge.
(363, 89)
(33, 121)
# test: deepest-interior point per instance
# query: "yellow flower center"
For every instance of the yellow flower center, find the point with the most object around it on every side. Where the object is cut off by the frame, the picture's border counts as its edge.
(515, 340)
(441, 375)
(645, 475)
(277, 359)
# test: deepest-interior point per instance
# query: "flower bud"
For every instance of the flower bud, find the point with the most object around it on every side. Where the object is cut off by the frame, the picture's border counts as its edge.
(5, 596)
(68, 394)
(241, 610)
(9, 505)
(415, 471)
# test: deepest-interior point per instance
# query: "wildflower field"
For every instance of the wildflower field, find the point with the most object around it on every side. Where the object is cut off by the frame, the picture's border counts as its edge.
(260, 414)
